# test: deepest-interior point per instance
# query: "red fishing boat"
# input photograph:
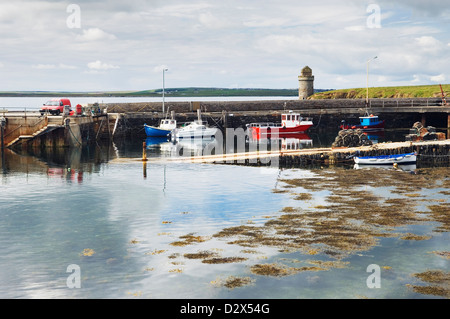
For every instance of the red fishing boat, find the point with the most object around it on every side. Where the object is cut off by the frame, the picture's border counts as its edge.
(291, 123)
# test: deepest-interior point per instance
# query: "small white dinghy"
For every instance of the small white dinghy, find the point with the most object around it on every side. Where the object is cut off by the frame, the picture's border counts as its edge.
(407, 158)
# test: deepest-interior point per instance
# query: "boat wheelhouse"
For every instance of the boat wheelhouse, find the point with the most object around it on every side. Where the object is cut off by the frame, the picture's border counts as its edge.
(366, 123)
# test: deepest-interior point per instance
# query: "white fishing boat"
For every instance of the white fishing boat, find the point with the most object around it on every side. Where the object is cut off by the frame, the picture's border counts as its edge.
(408, 158)
(196, 129)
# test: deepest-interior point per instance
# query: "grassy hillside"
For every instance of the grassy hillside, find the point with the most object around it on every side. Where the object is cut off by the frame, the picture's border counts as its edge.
(424, 91)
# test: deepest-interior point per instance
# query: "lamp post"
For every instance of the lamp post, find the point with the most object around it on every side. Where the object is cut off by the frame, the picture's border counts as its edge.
(164, 70)
(367, 96)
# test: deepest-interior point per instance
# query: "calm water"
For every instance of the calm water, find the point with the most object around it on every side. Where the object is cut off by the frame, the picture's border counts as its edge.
(101, 210)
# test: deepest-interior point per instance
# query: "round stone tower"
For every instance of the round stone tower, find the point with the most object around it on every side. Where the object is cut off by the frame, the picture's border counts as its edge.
(305, 83)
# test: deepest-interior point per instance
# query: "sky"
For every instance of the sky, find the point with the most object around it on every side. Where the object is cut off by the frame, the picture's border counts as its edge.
(121, 45)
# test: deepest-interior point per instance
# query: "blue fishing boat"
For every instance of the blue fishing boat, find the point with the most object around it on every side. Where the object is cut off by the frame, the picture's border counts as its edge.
(366, 123)
(407, 158)
(165, 128)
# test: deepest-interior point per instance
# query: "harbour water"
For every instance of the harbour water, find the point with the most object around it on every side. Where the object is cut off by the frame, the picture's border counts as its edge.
(97, 222)
(182, 230)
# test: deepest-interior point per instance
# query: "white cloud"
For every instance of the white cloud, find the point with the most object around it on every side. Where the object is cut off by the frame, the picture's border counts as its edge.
(416, 79)
(179, 10)
(67, 67)
(41, 66)
(1, 65)
(438, 78)
(211, 21)
(356, 28)
(428, 41)
(95, 34)
(44, 66)
(262, 21)
(99, 65)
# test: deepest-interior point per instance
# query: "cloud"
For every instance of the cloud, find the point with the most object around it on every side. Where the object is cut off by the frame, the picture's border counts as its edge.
(211, 21)
(416, 78)
(67, 67)
(438, 78)
(95, 34)
(426, 41)
(179, 10)
(53, 66)
(44, 66)
(420, 7)
(356, 28)
(262, 21)
(99, 65)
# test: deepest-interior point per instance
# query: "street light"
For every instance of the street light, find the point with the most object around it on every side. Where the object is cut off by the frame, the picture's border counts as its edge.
(164, 70)
(367, 96)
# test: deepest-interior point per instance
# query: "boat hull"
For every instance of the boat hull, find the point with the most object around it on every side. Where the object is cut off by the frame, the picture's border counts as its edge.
(196, 133)
(409, 158)
(152, 131)
(374, 127)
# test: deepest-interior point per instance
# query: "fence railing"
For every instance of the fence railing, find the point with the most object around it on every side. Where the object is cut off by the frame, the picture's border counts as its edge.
(405, 103)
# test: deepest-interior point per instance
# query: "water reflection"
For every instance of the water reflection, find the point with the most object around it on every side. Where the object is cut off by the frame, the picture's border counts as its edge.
(165, 146)
(295, 141)
(407, 168)
(375, 136)
(70, 164)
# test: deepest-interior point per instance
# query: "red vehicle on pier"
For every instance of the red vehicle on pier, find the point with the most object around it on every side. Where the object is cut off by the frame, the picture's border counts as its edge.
(56, 106)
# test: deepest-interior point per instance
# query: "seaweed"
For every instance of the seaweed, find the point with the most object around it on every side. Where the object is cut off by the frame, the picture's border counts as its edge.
(439, 279)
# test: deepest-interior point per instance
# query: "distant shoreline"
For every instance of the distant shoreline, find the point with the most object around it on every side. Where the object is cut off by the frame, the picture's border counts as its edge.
(170, 92)
(419, 91)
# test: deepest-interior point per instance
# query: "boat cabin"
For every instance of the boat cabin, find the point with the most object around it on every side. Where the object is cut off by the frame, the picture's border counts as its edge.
(290, 119)
(369, 120)
(168, 124)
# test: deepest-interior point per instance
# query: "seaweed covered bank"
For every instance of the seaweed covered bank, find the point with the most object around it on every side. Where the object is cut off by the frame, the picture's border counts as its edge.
(354, 219)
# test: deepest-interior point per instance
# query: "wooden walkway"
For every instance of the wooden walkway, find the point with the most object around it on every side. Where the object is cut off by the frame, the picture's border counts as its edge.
(265, 157)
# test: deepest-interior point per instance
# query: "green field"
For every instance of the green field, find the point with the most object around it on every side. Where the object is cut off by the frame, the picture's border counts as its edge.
(420, 91)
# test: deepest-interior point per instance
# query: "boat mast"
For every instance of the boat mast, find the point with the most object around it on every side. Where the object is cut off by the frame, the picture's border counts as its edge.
(164, 70)
(367, 92)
